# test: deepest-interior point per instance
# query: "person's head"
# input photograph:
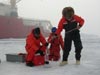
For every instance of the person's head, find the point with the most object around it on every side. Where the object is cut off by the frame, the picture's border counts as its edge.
(68, 12)
(53, 30)
(36, 32)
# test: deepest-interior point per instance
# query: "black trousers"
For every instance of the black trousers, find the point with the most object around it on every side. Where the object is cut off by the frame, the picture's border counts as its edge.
(75, 37)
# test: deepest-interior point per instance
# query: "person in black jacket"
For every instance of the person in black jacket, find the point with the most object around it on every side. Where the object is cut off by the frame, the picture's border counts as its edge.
(71, 23)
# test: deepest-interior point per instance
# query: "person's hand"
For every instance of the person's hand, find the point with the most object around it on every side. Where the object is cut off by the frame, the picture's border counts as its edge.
(78, 27)
(40, 52)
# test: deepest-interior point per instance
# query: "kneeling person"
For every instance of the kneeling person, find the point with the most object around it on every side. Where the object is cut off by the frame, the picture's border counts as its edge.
(33, 47)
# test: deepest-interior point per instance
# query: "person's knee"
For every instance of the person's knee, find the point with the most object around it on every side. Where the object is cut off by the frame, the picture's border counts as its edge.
(66, 51)
(78, 47)
(78, 51)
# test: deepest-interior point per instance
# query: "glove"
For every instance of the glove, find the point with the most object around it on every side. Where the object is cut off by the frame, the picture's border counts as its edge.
(30, 64)
(40, 52)
(46, 44)
(46, 62)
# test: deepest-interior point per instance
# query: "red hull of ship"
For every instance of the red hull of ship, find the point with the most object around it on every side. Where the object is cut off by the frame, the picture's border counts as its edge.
(12, 27)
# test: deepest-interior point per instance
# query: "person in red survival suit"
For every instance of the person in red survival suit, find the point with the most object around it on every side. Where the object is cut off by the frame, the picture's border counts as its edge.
(33, 46)
(71, 23)
(55, 44)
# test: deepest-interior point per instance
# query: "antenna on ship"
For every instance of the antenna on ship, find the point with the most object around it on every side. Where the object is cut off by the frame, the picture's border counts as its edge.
(14, 8)
(14, 2)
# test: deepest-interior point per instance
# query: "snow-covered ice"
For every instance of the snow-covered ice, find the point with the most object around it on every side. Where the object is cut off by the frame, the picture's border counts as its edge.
(90, 64)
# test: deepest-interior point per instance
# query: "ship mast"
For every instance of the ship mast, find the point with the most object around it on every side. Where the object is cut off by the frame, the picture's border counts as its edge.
(14, 2)
(14, 8)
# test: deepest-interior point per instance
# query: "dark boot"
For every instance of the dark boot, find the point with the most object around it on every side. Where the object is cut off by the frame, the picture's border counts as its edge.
(30, 64)
(47, 62)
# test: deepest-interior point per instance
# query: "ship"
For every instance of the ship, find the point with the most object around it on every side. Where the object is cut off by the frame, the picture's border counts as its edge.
(14, 26)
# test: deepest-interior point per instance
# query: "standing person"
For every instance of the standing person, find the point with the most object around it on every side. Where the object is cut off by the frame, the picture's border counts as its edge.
(55, 44)
(71, 23)
(33, 46)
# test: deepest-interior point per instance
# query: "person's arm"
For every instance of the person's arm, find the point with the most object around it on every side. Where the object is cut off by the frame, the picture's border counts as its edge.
(61, 42)
(42, 39)
(30, 41)
(50, 38)
(79, 20)
(44, 43)
(60, 26)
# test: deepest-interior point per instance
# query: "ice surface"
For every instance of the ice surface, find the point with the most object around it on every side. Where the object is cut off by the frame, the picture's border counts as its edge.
(90, 64)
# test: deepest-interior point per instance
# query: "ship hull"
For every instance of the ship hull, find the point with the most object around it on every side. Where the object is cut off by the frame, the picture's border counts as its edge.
(12, 27)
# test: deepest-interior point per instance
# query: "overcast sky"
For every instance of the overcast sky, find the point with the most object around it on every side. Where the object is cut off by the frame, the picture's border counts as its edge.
(52, 9)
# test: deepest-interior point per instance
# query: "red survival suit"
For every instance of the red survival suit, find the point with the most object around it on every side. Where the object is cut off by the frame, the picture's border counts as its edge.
(63, 21)
(32, 45)
(72, 36)
(55, 47)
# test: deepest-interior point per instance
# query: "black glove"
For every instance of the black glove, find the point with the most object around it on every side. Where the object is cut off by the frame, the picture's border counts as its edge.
(30, 64)
(46, 44)
(40, 52)
(46, 62)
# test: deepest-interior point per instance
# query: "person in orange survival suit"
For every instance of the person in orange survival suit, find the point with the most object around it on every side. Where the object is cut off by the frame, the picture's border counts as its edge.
(55, 45)
(71, 23)
(33, 46)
